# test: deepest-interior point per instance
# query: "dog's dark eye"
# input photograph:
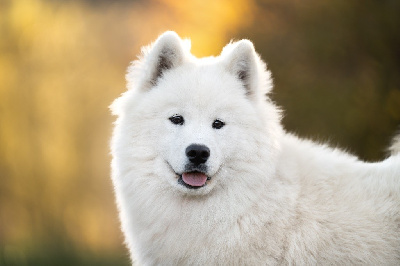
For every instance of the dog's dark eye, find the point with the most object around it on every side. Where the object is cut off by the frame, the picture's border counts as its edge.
(177, 119)
(217, 124)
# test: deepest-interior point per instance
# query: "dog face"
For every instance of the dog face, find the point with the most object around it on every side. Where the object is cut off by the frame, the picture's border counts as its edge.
(197, 120)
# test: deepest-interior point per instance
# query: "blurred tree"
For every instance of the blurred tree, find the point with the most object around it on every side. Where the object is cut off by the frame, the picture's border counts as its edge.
(336, 69)
(57, 197)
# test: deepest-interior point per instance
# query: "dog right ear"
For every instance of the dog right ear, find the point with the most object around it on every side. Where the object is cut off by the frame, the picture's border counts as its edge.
(241, 61)
(166, 53)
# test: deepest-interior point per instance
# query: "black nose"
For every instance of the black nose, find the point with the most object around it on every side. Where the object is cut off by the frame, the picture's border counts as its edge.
(197, 153)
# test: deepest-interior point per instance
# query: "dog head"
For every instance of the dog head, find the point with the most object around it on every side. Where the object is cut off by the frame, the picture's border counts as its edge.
(194, 122)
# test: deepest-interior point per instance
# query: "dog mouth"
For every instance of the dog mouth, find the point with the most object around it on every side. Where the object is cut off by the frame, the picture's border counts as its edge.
(193, 180)
(193, 177)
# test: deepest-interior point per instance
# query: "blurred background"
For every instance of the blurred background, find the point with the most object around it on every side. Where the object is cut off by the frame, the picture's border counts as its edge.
(336, 68)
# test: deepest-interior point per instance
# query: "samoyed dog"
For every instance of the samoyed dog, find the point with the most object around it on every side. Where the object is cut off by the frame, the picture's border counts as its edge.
(205, 174)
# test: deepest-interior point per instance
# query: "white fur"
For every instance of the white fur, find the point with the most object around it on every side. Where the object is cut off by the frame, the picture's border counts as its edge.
(273, 198)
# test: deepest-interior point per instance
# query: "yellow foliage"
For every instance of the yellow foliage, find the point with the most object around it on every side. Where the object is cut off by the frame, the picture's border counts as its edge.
(208, 23)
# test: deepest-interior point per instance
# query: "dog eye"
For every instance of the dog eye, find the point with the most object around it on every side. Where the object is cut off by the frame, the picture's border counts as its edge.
(177, 119)
(217, 124)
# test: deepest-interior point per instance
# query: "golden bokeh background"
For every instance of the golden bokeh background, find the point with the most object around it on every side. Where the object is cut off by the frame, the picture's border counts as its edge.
(336, 67)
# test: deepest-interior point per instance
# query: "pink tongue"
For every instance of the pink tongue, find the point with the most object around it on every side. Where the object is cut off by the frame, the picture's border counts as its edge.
(194, 179)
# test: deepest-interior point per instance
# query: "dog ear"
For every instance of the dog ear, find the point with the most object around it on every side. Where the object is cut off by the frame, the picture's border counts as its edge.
(241, 61)
(167, 52)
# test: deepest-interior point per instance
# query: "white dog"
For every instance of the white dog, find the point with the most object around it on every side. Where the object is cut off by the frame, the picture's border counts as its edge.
(204, 173)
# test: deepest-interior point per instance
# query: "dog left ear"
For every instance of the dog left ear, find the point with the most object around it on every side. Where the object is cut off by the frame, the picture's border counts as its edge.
(167, 52)
(241, 61)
